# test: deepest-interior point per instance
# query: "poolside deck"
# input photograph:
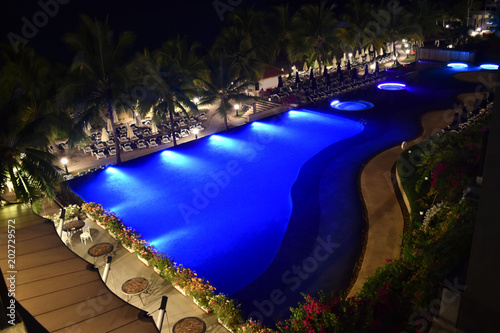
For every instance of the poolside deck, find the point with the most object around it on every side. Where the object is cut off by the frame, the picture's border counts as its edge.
(54, 285)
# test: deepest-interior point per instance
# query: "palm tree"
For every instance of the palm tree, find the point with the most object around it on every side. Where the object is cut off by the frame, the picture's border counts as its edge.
(401, 24)
(224, 86)
(187, 57)
(99, 81)
(240, 50)
(28, 119)
(313, 32)
(281, 26)
(356, 25)
(170, 85)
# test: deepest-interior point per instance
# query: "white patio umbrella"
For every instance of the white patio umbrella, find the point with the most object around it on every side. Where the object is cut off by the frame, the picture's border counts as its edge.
(342, 62)
(360, 59)
(305, 68)
(316, 65)
(335, 61)
(368, 57)
(109, 126)
(381, 51)
(376, 54)
(344, 57)
(130, 131)
(105, 135)
(357, 54)
(371, 47)
(362, 51)
(154, 129)
(138, 121)
(86, 129)
(115, 117)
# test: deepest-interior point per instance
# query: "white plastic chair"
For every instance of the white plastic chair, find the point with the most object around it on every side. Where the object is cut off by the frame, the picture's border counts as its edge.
(85, 235)
(67, 240)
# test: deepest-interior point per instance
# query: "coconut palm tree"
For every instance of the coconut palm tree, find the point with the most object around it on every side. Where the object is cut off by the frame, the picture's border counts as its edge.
(224, 87)
(28, 120)
(241, 51)
(356, 25)
(187, 57)
(169, 84)
(313, 31)
(99, 82)
(401, 24)
(281, 26)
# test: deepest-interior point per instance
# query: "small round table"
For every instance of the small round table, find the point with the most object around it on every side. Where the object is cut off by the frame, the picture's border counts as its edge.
(99, 250)
(190, 325)
(135, 287)
(73, 226)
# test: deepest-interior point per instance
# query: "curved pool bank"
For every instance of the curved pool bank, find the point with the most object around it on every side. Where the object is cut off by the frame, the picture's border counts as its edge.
(317, 253)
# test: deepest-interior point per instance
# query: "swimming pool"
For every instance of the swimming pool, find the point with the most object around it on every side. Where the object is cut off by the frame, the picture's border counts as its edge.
(326, 205)
(219, 205)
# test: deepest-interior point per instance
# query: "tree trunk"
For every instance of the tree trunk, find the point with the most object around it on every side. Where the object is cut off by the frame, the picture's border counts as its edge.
(17, 192)
(117, 144)
(172, 130)
(225, 121)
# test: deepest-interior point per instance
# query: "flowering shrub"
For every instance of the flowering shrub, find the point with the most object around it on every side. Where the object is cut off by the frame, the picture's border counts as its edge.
(227, 310)
(93, 209)
(72, 211)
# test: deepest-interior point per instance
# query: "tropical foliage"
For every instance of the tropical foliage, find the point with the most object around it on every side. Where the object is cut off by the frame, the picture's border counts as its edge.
(29, 121)
(98, 83)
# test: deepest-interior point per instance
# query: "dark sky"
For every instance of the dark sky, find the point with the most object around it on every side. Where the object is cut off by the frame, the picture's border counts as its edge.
(153, 21)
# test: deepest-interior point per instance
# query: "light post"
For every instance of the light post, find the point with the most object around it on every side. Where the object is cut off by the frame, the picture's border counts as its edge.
(236, 107)
(195, 131)
(196, 100)
(64, 161)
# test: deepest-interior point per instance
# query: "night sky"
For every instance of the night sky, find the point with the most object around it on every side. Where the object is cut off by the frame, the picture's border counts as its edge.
(153, 21)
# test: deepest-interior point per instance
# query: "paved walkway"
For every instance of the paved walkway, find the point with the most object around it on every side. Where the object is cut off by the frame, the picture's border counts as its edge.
(385, 220)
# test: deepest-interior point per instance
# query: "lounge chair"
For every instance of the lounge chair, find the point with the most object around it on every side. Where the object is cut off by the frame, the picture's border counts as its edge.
(202, 116)
(87, 150)
(184, 133)
(165, 139)
(68, 176)
(152, 143)
(112, 151)
(127, 147)
(140, 144)
(100, 154)
(146, 133)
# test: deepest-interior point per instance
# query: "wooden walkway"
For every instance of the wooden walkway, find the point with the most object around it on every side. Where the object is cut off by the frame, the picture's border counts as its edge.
(53, 284)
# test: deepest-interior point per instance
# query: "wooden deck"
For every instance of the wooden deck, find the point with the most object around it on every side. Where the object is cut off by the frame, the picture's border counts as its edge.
(53, 284)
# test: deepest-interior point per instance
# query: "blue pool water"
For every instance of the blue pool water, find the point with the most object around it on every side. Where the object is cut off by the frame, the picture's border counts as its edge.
(287, 218)
(219, 205)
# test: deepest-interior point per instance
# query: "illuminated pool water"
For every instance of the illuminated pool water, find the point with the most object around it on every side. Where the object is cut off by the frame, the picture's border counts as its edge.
(491, 67)
(392, 86)
(219, 205)
(357, 105)
(458, 65)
